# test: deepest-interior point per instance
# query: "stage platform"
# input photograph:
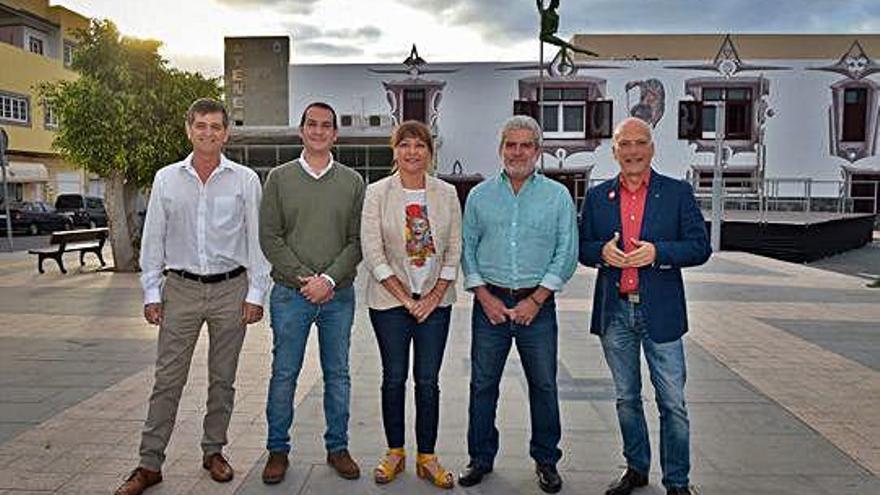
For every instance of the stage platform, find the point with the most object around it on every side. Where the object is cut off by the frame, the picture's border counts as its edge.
(791, 235)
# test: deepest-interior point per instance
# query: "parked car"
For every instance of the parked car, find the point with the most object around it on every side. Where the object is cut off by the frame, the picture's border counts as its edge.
(87, 211)
(34, 217)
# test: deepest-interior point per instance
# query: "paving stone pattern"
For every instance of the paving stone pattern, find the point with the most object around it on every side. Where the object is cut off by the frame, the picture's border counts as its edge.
(783, 391)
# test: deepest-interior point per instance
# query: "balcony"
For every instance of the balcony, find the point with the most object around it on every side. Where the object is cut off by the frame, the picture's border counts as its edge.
(30, 33)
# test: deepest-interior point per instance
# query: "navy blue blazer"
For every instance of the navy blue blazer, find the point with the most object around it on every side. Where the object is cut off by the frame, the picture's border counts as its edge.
(673, 223)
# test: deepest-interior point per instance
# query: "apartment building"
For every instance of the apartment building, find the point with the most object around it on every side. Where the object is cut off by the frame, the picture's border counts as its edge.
(36, 44)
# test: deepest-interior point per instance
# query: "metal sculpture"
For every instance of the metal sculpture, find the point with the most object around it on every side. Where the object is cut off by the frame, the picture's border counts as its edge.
(549, 26)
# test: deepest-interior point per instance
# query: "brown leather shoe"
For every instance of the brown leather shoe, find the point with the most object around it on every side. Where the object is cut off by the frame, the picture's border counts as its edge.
(219, 467)
(343, 464)
(276, 468)
(139, 480)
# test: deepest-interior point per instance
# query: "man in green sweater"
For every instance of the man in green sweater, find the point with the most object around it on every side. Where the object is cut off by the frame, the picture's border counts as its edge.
(310, 232)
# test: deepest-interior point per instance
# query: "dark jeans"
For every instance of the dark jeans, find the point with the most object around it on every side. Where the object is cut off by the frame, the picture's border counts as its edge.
(622, 343)
(490, 345)
(395, 328)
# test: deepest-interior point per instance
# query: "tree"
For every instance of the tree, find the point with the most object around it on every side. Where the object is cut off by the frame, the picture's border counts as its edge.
(122, 119)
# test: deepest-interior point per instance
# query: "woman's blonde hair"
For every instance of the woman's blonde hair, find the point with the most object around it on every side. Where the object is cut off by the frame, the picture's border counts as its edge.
(416, 130)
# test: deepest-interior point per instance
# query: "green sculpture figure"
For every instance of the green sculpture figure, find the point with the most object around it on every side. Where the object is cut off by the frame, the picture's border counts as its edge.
(549, 26)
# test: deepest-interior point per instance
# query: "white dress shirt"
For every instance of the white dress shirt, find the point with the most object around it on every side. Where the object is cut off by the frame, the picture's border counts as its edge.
(317, 176)
(311, 170)
(203, 228)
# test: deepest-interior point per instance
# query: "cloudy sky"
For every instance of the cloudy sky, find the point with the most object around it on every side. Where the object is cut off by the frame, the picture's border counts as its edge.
(327, 31)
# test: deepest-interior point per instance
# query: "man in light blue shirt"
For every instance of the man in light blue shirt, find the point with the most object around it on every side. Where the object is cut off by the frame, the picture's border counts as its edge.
(519, 248)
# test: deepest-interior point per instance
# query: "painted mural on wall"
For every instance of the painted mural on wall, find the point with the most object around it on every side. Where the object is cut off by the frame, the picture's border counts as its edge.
(651, 100)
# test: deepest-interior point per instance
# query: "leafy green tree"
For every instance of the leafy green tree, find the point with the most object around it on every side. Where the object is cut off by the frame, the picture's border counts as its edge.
(122, 119)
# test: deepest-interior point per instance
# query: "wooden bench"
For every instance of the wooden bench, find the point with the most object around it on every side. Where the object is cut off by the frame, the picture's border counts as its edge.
(84, 241)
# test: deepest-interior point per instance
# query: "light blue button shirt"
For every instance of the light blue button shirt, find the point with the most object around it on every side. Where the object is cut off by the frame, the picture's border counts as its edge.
(519, 240)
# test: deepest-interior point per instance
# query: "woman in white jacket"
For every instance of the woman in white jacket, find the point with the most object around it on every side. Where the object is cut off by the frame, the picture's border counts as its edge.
(411, 240)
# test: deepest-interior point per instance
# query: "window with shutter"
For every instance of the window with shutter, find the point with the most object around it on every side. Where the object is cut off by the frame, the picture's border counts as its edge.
(855, 113)
(737, 103)
(564, 112)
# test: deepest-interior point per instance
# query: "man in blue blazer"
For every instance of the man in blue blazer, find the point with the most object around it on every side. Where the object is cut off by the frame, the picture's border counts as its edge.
(639, 229)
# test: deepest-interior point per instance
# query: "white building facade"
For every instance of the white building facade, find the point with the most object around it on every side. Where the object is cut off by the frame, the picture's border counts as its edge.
(803, 108)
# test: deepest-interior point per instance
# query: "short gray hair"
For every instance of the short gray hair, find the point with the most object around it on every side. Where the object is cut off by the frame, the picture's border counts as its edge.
(519, 122)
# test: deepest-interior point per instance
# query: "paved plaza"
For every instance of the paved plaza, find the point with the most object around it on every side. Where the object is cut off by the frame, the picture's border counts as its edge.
(784, 391)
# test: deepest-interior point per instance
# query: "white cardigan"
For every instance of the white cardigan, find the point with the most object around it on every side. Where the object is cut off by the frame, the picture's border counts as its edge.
(382, 237)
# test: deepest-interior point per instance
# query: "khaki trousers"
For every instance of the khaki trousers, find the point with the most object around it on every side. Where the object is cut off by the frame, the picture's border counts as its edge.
(188, 305)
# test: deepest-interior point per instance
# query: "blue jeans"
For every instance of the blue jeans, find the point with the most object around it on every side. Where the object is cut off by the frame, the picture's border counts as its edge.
(292, 317)
(490, 345)
(622, 342)
(395, 328)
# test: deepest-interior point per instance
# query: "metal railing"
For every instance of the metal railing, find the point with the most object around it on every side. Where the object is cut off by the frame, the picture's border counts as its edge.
(789, 194)
(796, 195)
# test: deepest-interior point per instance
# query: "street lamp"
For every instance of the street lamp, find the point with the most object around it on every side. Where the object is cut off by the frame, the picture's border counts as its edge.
(717, 183)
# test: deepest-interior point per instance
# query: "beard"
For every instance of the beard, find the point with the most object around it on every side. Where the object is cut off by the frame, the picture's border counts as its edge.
(519, 171)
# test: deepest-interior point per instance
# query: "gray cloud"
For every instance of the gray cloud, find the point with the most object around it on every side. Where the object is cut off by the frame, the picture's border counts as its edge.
(366, 33)
(303, 32)
(392, 56)
(290, 6)
(254, 3)
(306, 32)
(326, 49)
(310, 39)
(502, 21)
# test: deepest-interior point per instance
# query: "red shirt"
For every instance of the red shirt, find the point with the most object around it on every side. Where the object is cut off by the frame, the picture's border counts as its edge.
(632, 209)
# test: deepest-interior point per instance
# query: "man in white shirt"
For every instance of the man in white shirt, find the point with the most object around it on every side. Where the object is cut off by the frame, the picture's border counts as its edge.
(201, 263)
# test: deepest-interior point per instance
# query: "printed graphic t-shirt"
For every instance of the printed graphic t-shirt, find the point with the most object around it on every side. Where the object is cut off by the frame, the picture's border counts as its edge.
(419, 241)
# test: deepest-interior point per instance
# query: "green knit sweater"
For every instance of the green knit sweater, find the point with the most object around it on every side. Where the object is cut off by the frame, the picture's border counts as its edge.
(310, 226)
